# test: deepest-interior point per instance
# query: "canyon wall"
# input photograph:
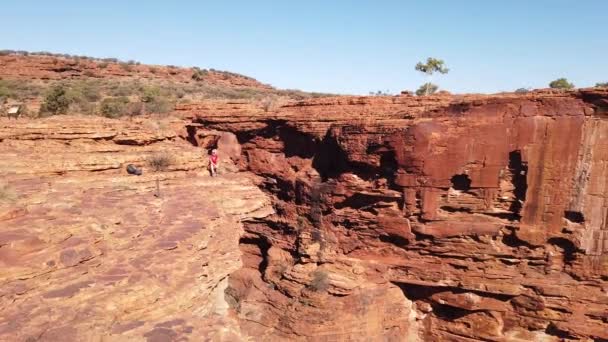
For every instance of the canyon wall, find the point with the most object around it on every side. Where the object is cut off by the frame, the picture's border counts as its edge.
(442, 218)
(439, 218)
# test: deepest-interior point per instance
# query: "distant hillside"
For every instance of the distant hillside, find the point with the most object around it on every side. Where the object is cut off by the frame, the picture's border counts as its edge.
(113, 88)
(43, 65)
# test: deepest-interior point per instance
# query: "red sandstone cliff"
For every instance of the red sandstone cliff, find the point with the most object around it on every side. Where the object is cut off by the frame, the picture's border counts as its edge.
(445, 218)
(438, 219)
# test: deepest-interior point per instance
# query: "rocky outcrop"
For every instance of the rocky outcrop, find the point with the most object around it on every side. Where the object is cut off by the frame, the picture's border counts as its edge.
(61, 68)
(442, 218)
(89, 253)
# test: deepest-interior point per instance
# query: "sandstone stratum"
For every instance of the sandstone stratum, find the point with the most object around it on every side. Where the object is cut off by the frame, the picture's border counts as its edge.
(433, 218)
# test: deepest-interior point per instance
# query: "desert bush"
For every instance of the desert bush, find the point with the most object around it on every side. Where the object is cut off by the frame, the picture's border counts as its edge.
(91, 92)
(57, 101)
(83, 107)
(135, 109)
(270, 103)
(89, 73)
(150, 94)
(157, 100)
(159, 105)
(427, 89)
(320, 281)
(602, 84)
(198, 74)
(159, 161)
(522, 90)
(153, 70)
(122, 88)
(561, 83)
(21, 90)
(83, 92)
(102, 65)
(114, 107)
(379, 93)
(5, 90)
(126, 66)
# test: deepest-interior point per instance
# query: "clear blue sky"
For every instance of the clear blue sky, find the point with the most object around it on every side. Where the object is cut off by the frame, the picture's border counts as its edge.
(332, 46)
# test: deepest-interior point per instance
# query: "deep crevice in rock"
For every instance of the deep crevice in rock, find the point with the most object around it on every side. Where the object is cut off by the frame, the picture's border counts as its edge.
(574, 216)
(263, 246)
(461, 182)
(519, 171)
(566, 246)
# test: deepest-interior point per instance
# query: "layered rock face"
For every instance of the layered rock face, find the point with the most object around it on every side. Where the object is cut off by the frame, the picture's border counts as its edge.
(446, 218)
(470, 218)
(90, 253)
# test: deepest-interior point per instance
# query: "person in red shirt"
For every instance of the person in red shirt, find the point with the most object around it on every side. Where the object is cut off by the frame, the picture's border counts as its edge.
(213, 162)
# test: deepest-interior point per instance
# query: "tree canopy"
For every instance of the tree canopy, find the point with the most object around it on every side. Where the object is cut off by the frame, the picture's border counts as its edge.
(561, 83)
(432, 66)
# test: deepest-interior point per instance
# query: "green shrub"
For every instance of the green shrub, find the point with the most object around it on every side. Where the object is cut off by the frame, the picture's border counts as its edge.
(522, 90)
(114, 107)
(427, 89)
(150, 94)
(561, 83)
(602, 84)
(57, 101)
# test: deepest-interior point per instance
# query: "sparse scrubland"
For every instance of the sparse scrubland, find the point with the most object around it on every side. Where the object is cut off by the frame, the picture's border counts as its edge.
(142, 89)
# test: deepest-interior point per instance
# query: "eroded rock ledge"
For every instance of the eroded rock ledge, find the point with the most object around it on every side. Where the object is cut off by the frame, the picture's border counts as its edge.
(439, 218)
(89, 253)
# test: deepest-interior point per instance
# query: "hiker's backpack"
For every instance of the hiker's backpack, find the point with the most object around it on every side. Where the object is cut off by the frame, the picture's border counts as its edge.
(133, 170)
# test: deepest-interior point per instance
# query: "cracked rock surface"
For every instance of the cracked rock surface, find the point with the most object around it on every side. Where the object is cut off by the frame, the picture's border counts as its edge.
(89, 253)
(440, 218)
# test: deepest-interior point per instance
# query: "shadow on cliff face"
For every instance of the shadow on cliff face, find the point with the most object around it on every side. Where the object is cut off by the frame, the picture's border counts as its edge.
(330, 160)
(295, 142)
(519, 171)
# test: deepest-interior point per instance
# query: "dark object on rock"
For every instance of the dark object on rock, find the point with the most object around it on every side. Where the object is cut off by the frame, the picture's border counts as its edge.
(133, 170)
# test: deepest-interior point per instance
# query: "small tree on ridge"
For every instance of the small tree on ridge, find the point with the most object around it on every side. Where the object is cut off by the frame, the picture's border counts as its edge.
(561, 83)
(431, 66)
